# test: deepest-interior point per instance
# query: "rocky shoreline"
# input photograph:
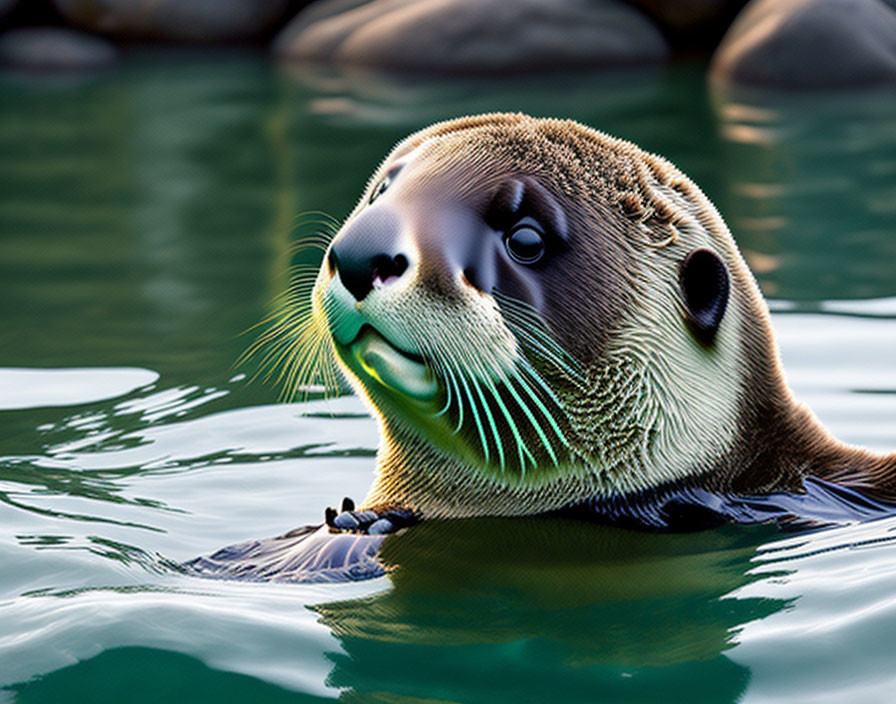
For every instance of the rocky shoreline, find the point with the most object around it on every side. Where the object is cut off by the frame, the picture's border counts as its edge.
(774, 44)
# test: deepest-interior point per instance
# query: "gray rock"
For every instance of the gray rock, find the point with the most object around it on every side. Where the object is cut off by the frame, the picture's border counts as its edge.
(6, 7)
(53, 48)
(457, 36)
(691, 25)
(810, 44)
(175, 20)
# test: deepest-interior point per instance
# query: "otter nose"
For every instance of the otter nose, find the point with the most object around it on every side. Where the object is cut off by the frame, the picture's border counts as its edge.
(366, 255)
(361, 274)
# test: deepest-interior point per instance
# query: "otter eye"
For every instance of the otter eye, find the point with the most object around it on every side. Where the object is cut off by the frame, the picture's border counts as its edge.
(385, 182)
(381, 187)
(525, 244)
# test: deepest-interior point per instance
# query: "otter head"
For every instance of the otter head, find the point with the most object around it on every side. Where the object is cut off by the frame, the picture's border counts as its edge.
(538, 314)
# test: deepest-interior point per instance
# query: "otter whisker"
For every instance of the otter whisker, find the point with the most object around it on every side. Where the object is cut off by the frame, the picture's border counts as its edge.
(469, 370)
(446, 372)
(295, 348)
(322, 215)
(525, 321)
(448, 391)
(292, 378)
(522, 450)
(532, 344)
(547, 354)
(476, 419)
(299, 275)
(288, 336)
(460, 406)
(322, 245)
(457, 368)
(319, 239)
(328, 227)
(521, 379)
(277, 314)
(528, 413)
(533, 375)
(297, 361)
(328, 222)
(265, 342)
(307, 371)
(492, 425)
(471, 381)
(298, 353)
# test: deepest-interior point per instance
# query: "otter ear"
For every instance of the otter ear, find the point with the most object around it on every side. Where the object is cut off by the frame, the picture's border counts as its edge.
(704, 284)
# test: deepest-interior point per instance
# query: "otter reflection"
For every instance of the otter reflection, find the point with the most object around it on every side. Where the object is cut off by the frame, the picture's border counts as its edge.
(543, 606)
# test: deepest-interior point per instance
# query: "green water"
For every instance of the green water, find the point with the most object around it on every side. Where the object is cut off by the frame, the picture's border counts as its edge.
(145, 221)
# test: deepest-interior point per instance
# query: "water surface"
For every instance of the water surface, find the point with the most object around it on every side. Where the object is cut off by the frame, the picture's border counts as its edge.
(146, 216)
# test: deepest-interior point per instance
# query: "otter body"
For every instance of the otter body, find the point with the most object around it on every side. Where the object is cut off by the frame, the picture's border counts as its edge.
(547, 320)
(544, 318)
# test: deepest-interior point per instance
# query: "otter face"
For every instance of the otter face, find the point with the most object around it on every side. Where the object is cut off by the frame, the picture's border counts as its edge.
(434, 291)
(547, 306)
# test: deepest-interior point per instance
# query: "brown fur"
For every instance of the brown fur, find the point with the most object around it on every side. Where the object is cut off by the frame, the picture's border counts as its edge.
(625, 207)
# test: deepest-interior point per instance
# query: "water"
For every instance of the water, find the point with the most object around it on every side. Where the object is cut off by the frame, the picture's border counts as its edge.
(145, 221)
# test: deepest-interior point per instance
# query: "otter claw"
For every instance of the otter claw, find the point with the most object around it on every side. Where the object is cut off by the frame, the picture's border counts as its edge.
(346, 521)
(367, 521)
(381, 527)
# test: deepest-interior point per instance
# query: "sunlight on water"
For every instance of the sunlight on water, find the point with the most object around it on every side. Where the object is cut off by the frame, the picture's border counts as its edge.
(834, 637)
(147, 222)
(36, 388)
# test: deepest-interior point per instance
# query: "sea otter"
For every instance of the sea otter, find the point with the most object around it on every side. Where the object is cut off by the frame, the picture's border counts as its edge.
(546, 319)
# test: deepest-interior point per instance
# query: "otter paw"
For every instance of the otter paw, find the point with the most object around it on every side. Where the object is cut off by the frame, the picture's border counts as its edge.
(367, 522)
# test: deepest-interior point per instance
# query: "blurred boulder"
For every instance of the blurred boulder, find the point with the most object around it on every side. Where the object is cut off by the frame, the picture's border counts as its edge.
(691, 25)
(6, 7)
(194, 21)
(810, 44)
(51, 48)
(29, 13)
(470, 36)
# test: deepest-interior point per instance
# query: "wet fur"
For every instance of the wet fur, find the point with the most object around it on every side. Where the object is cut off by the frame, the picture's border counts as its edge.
(644, 424)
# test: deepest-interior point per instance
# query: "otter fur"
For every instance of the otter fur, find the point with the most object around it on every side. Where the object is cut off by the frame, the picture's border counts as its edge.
(545, 318)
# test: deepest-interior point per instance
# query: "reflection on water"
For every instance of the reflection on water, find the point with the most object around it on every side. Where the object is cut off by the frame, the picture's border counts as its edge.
(146, 220)
(116, 195)
(632, 615)
(840, 584)
(156, 676)
(39, 388)
(811, 191)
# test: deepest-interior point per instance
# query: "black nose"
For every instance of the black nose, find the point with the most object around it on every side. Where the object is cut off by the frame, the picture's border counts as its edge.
(367, 253)
(361, 275)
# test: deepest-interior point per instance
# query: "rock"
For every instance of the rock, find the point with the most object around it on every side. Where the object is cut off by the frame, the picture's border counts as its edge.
(683, 13)
(460, 36)
(28, 13)
(42, 48)
(810, 44)
(175, 20)
(6, 7)
(691, 25)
